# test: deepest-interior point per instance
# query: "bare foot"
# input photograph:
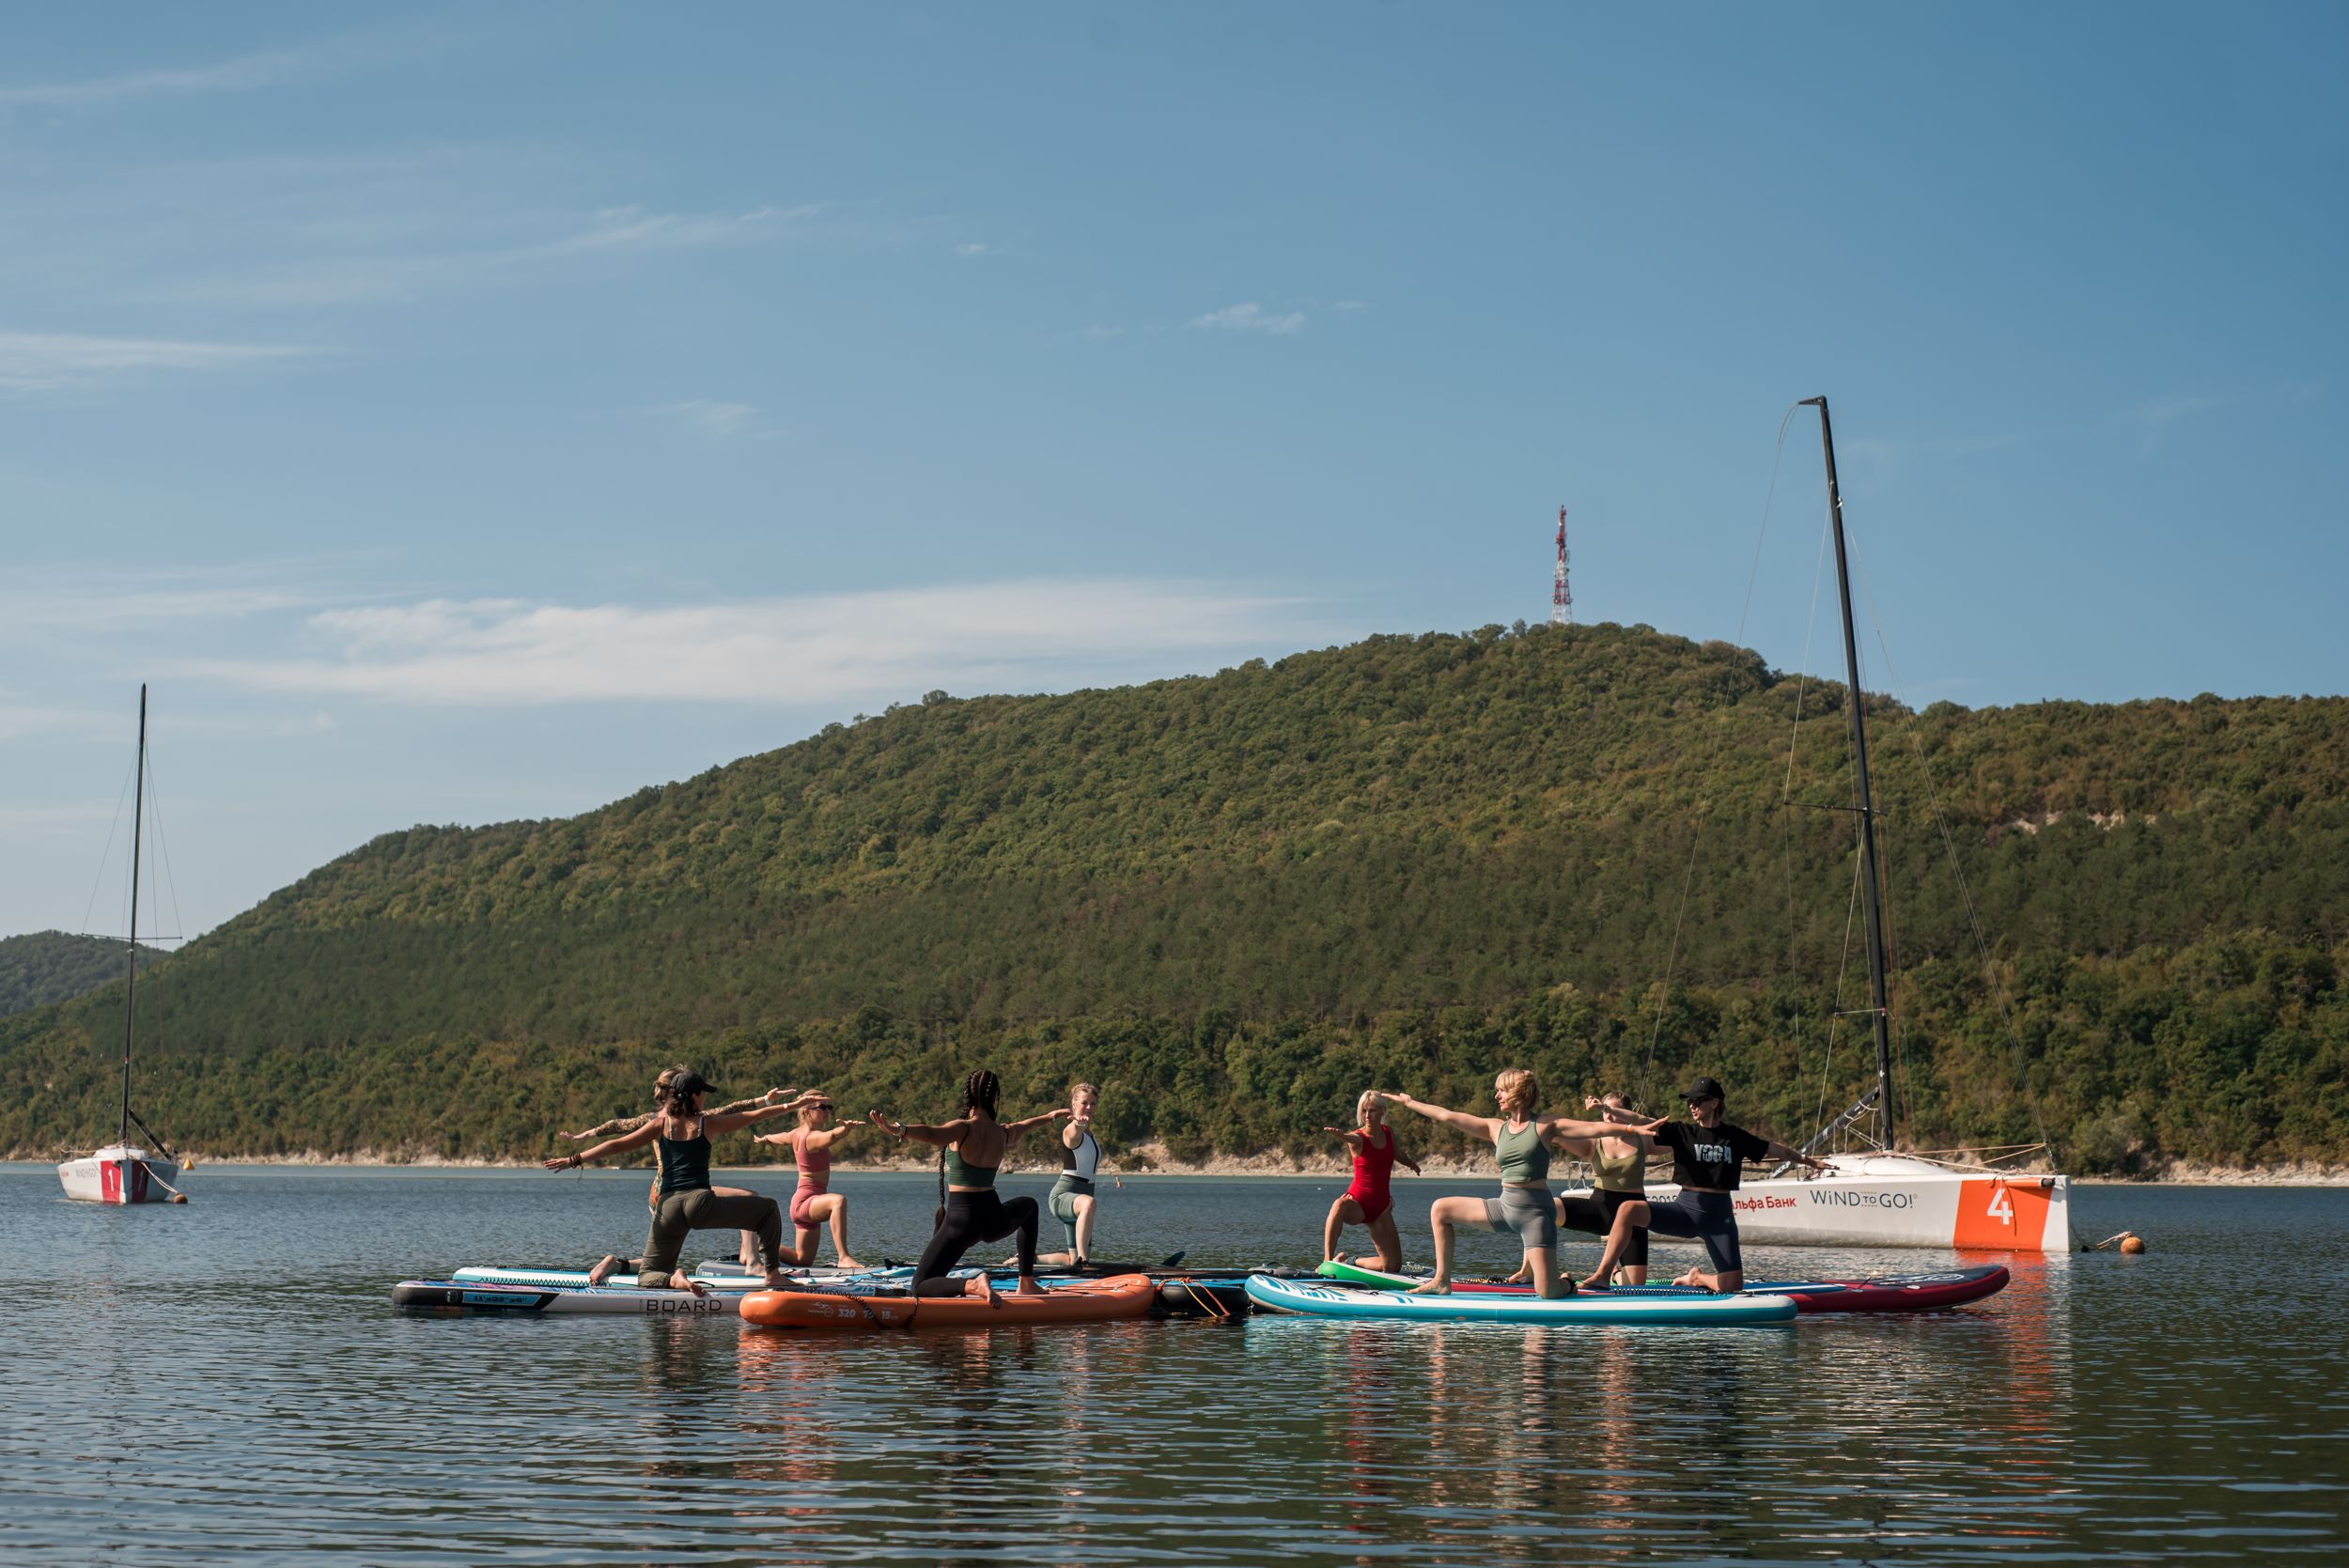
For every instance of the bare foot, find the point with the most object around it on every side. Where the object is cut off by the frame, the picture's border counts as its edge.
(844, 1261)
(1694, 1280)
(778, 1279)
(605, 1268)
(980, 1286)
(1439, 1285)
(1028, 1286)
(684, 1281)
(1592, 1282)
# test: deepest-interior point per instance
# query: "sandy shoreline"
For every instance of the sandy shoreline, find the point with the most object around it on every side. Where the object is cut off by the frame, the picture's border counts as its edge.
(1150, 1161)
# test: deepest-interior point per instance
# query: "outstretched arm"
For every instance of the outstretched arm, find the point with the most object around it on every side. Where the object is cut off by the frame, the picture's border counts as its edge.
(636, 1139)
(1780, 1152)
(824, 1138)
(1402, 1158)
(1353, 1140)
(1479, 1126)
(1567, 1128)
(617, 1123)
(1026, 1121)
(723, 1120)
(941, 1136)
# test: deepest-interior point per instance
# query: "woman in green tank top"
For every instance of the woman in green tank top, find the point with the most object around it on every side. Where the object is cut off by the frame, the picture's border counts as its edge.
(1618, 1183)
(685, 1201)
(1518, 1136)
(971, 1149)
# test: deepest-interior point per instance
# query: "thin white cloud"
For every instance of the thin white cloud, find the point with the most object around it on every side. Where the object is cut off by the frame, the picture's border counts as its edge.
(32, 360)
(372, 274)
(819, 648)
(34, 603)
(2152, 420)
(266, 67)
(716, 420)
(1252, 317)
(972, 247)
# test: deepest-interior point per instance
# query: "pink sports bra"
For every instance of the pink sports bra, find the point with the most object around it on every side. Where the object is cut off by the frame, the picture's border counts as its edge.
(812, 1163)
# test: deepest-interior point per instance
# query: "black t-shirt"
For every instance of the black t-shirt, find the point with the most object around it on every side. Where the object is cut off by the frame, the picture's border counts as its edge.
(1709, 1156)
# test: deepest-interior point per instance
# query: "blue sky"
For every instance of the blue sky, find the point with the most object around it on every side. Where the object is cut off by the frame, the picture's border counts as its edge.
(470, 414)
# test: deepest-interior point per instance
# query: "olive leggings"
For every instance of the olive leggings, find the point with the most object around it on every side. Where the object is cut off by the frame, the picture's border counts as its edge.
(704, 1210)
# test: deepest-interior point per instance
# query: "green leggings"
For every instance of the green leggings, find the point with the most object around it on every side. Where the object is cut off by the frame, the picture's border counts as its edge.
(704, 1210)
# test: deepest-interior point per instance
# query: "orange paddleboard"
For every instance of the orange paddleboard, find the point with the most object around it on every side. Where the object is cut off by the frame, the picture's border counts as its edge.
(1084, 1301)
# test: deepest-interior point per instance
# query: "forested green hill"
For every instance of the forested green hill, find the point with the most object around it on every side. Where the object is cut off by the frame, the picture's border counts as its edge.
(51, 966)
(1235, 897)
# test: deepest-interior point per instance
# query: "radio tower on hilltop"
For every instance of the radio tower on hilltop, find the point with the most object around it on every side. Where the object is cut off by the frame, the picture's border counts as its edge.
(1562, 597)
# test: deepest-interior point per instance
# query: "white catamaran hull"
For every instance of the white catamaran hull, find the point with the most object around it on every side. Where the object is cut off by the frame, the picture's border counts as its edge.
(1894, 1201)
(120, 1175)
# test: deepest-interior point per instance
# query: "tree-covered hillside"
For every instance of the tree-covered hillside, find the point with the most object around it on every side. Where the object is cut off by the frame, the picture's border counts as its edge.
(51, 966)
(1390, 858)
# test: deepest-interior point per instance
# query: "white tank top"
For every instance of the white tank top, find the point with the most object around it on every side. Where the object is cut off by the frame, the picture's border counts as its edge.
(1082, 1161)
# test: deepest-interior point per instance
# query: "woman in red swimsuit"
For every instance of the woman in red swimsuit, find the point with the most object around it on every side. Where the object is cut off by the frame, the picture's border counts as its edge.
(1366, 1203)
(814, 1204)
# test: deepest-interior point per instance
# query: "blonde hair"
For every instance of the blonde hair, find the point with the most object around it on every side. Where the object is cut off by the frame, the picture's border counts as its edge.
(1076, 1089)
(1368, 1101)
(1517, 1090)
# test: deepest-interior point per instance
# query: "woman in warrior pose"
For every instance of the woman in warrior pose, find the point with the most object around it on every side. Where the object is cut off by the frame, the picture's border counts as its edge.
(971, 1149)
(1077, 1194)
(1376, 1151)
(1523, 1206)
(680, 1139)
(814, 1204)
(748, 1253)
(1707, 1153)
(1618, 1182)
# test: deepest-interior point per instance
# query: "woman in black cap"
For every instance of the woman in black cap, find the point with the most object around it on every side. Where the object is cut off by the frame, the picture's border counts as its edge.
(1706, 1153)
(680, 1139)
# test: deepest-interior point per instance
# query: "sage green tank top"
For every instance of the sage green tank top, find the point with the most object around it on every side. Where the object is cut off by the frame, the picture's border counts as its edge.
(1618, 1174)
(961, 1174)
(1524, 1157)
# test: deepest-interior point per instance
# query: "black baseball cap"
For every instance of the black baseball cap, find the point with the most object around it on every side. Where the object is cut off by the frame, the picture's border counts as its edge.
(692, 1083)
(1705, 1089)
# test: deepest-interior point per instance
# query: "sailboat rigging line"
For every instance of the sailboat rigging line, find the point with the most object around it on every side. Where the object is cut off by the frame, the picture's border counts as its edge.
(106, 854)
(1794, 738)
(1965, 890)
(1835, 1017)
(162, 852)
(1672, 957)
(1762, 535)
(1696, 841)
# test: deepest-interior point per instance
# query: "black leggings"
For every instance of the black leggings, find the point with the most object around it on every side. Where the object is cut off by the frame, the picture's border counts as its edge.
(971, 1218)
(1596, 1216)
(704, 1210)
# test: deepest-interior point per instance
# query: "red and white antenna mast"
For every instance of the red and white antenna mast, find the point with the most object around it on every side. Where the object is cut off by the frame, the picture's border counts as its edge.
(1562, 597)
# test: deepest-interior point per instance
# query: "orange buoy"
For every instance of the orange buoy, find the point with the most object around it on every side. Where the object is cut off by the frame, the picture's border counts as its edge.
(2132, 1244)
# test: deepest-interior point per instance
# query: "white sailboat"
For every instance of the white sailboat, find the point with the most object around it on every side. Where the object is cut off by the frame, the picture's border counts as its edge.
(123, 1172)
(1881, 1197)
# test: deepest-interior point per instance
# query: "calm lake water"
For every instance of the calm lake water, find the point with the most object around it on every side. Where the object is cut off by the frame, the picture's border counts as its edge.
(228, 1379)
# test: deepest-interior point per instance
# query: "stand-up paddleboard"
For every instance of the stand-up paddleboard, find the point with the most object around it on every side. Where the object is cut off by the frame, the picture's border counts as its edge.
(452, 1296)
(713, 1276)
(1081, 1301)
(1876, 1293)
(1284, 1295)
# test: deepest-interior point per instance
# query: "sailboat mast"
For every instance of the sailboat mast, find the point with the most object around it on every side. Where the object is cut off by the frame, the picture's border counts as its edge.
(1870, 877)
(131, 995)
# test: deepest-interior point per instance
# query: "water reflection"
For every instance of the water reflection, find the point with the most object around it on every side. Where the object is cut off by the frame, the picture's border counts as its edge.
(2183, 1404)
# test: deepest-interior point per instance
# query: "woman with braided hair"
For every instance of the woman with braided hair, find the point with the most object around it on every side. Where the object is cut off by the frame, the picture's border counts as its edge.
(970, 1149)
